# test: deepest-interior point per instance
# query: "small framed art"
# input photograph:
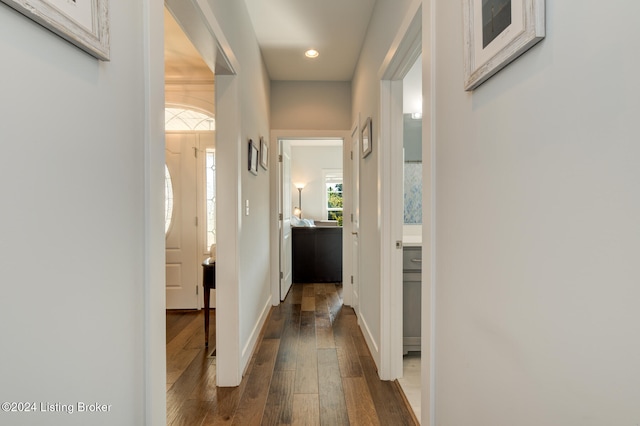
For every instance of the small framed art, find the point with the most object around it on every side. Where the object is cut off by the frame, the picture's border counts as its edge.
(264, 153)
(253, 157)
(367, 142)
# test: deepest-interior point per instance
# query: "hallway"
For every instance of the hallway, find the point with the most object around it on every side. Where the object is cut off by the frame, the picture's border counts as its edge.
(311, 367)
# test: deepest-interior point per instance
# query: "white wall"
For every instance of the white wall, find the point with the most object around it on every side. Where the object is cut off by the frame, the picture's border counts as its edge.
(311, 105)
(252, 85)
(307, 163)
(73, 234)
(385, 21)
(537, 230)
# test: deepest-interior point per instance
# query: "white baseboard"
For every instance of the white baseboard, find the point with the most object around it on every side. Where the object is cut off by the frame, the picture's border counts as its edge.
(250, 346)
(369, 339)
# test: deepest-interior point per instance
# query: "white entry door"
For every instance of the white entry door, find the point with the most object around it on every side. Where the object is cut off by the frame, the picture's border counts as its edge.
(355, 208)
(286, 277)
(182, 238)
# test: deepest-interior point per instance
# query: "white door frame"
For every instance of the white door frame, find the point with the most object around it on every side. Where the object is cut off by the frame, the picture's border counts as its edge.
(403, 53)
(154, 361)
(417, 29)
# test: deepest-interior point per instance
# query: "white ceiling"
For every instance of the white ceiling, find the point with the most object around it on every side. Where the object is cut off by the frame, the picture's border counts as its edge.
(182, 62)
(285, 29)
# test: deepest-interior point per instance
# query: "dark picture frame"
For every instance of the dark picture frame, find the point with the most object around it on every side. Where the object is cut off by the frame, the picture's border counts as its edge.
(253, 157)
(496, 32)
(366, 140)
(264, 153)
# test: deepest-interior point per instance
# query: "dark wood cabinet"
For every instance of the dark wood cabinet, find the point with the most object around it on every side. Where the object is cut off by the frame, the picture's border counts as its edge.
(317, 254)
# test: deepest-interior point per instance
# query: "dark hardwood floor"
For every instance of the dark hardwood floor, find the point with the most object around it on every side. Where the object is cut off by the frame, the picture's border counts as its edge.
(311, 367)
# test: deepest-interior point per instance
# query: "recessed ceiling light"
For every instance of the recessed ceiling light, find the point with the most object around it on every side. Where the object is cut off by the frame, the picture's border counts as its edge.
(311, 53)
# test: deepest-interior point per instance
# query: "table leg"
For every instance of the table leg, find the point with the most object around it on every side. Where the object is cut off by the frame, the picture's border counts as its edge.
(207, 296)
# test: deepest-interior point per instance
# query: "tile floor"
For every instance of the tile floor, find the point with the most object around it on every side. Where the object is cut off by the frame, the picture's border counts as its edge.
(410, 382)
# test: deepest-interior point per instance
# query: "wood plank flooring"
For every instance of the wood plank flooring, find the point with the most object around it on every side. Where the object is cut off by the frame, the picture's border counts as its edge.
(311, 367)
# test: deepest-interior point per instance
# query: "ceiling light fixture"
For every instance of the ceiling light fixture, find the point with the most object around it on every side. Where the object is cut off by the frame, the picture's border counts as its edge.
(311, 53)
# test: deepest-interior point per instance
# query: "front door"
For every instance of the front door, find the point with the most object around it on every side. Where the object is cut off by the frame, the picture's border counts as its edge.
(181, 238)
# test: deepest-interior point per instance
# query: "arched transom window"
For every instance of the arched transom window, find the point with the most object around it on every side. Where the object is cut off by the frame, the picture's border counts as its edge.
(187, 119)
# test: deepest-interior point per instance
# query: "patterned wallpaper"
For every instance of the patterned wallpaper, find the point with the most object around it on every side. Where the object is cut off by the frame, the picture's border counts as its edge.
(413, 193)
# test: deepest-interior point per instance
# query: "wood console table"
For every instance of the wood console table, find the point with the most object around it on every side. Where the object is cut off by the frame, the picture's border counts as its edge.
(208, 283)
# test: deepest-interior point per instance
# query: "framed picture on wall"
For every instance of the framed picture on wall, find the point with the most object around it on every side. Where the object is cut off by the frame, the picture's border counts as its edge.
(496, 32)
(84, 23)
(367, 143)
(264, 153)
(253, 157)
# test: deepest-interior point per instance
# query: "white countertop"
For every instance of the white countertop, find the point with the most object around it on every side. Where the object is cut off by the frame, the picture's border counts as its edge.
(412, 235)
(412, 240)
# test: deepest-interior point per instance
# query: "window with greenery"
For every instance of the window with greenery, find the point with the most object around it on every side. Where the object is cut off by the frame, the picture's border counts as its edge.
(187, 119)
(333, 185)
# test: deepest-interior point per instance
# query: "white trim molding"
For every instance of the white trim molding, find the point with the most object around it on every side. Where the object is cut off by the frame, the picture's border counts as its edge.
(402, 54)
(154, 256)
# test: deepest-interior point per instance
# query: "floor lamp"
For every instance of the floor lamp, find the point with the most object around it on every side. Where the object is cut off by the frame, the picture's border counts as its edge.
(298, 210)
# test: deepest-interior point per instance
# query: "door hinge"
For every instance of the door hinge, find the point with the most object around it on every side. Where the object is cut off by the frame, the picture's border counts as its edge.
(351, 279)
(281, 275)
(352, 155)
(195, 151)
(280, 158)
(196, 220)
(280, 216)
(197, 290)
(351, 217)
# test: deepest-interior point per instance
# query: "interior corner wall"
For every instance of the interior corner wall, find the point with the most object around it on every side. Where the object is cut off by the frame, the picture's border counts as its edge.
(307, 164)
(72, 311)
(254, 287)
(385, 21)
(537, 230)
(311, 105)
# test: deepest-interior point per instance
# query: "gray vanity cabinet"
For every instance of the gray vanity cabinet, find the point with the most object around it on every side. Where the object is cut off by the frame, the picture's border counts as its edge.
(412, 296)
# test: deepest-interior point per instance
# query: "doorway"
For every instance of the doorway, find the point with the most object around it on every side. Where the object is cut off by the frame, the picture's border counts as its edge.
(309, 193)
(412, 235)
(401, 272)
(189, 203)
(189, 141)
